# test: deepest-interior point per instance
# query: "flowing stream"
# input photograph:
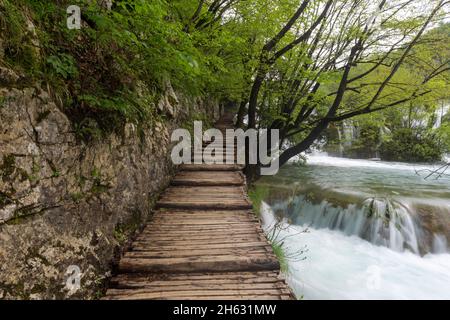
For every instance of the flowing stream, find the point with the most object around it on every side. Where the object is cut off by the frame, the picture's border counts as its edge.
(372, 230)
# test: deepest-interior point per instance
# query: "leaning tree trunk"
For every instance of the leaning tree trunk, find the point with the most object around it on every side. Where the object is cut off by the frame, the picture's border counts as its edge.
(241, 114)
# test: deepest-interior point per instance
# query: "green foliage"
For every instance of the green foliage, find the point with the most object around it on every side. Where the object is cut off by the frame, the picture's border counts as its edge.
(123, 231)
(98, 71)
(18, 48)
(366, 145)
(407, 144)
(279, 252)
(257, 194)
(63, 65)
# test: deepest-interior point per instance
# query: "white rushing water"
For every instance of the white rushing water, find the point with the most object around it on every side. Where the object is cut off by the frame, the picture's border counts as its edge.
(339, 266)
(376, 230)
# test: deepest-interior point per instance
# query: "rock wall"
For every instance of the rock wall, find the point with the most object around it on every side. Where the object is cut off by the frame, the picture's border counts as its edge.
(67, 205)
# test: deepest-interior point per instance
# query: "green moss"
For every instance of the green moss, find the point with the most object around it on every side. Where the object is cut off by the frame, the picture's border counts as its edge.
(98, 184)
(120, 235)
(2, 102)
(77, 196)
(123, 231)
(5, 100)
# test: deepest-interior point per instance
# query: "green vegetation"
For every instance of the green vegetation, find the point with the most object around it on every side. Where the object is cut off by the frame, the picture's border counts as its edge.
(416, 129)
(300, 67)
(99, 71)
(124, 231)
(281, 256)
(257, 194)
(411, 145)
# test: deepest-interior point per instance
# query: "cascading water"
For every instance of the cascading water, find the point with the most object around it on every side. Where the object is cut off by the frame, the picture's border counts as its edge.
(363, 216)
(440, 113)
(380, 221)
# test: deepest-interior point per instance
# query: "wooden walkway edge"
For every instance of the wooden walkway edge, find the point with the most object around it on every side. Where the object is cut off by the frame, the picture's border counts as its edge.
(203, 242)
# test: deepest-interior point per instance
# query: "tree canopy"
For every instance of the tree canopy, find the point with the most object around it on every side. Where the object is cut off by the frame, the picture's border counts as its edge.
(296, 66)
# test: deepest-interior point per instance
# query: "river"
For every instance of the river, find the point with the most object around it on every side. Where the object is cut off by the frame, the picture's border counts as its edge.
(369, 229)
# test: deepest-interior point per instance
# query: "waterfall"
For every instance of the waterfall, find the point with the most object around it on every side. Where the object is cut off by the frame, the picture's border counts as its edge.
(440, 114)
(381, 221)
(340, 267)
(341, 145)
(348, 133)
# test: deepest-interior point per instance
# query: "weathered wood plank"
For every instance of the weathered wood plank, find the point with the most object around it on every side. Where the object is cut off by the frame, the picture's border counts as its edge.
(201, 287)
(200, 264)
(154, 228)
(191, 246)
(235, 276)
(217, 213)
(210, 178)
(194, 252)
(264, 295)
(215, 167)
(205, 205)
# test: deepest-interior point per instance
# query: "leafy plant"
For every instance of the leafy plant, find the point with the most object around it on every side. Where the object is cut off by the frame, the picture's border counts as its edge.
(63, 65)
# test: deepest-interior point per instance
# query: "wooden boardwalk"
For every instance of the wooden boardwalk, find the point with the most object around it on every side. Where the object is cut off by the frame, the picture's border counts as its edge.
(203, 242)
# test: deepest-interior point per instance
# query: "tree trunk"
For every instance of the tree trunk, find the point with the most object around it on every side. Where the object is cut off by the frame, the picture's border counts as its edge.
(241, 114)
(253, 101)
(304, 145)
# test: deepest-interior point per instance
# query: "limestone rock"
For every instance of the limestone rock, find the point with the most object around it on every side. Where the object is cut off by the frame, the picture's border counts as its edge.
(67, 203)
(7, 76)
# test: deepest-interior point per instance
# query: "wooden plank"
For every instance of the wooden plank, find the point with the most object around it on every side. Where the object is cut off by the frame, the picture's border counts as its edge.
(194, 252)
(216, 217)
(200, 264)
(239, 213)
(201, 287)
(206, 182)
(205, 205)
(208, 283)
(210, 178)
(204, 296)
(189, 237)
(197, 241)
(203, 196)
(200, 213)
(244, 230)
(189, 246)
(154, 228)
(204, 191)
(235, 276)
(197, 222)
(249, 225)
